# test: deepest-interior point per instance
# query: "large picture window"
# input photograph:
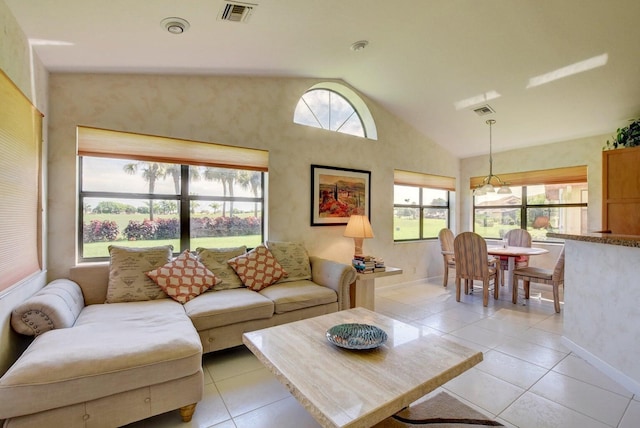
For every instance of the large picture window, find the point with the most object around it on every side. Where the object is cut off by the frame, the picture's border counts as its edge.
(131, 200)
(421, 205)
(539, 208)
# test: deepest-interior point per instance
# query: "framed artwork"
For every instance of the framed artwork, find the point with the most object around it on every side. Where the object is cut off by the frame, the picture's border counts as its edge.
(337, 193)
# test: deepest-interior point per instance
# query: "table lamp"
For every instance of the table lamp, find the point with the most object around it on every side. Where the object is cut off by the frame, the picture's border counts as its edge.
(358, 228)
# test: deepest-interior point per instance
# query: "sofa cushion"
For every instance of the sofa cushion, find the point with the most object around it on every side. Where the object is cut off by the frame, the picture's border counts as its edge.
(128, 281)
(291, 296)
(56, 305)
(111, 348)
(218, 308)
(293, 258)
(215, 259)
(258, 268)
(183, 278)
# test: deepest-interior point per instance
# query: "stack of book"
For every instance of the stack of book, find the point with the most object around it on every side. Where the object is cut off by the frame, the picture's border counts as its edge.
(368, 264)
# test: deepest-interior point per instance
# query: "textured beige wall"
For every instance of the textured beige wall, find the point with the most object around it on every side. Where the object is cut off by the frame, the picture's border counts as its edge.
(27, 74)
(250, 112)
(584, 151)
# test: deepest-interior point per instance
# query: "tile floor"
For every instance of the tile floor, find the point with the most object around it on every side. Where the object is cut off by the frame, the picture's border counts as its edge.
(527, 379)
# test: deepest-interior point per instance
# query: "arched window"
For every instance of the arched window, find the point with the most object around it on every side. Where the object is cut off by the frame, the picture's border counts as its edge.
(336, 108)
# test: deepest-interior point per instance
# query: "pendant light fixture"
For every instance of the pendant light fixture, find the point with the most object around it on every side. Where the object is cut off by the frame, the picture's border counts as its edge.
(486, 186)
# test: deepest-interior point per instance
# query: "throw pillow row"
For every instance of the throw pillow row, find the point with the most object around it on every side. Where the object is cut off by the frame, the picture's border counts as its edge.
(149, 273)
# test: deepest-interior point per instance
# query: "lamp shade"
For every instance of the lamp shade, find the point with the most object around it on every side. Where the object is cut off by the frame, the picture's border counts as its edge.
(358, 227)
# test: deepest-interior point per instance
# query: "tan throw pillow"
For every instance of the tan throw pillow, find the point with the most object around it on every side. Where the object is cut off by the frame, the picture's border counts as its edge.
(215, 259)
(184, 278)
(293, 258)
(128, 281)
(258, 268)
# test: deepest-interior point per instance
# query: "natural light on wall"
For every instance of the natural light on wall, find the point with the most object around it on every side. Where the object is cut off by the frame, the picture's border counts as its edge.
(569, 70)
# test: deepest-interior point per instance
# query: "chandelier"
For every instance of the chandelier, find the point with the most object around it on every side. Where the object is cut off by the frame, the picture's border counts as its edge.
(486, 186)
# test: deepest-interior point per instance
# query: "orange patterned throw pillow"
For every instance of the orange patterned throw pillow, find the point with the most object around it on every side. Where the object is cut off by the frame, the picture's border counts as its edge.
(184, 278)
(258, 268)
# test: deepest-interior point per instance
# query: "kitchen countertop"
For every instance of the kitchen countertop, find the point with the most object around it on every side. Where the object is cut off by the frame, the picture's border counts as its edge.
(601, 238)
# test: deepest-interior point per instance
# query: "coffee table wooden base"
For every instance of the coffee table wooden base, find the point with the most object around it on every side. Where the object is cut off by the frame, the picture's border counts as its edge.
(348, 388)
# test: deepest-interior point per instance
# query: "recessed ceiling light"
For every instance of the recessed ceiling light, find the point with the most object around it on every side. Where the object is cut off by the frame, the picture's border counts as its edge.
(359, 45)
(175, 25)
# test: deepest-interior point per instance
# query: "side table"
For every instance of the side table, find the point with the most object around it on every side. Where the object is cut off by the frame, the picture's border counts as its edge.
(362, 292)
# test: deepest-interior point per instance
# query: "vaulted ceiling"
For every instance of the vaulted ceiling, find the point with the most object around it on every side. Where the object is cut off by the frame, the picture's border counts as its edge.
(551, 70)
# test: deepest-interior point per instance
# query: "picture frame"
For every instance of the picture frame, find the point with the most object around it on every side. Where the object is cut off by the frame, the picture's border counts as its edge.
(337, 193)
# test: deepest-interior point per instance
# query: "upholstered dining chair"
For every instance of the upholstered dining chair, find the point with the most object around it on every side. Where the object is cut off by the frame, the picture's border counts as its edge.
(470, 252)
(553, 277)
(446, 237)
(515, 238)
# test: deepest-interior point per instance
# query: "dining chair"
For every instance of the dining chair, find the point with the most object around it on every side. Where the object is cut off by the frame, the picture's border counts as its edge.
(446, 237)
(470, 252)
(515, 238)
(553, 277)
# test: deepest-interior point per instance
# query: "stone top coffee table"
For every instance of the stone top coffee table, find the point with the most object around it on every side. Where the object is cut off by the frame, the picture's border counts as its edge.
(357, 388)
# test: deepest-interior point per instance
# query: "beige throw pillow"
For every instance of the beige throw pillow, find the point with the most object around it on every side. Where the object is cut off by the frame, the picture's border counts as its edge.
(128, 281)
(293, 258)
(215, 259)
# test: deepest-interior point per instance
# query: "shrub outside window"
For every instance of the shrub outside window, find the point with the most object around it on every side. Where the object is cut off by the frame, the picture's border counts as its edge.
(419, 212)
(142, 204)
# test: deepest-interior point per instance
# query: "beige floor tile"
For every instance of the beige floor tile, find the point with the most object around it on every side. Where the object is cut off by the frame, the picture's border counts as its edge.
(597, 403)
(481, 336)
(511, 369)
(443, 323)
(249, 391)
(536, 354)
(230, 362)
(544, 338)
(552, 324)
(225, 424)
(578, 368)
(286, 413)
(534, 411)
(464, 314)
(504, 326)
(484, 390)
(468, 344)
(631, 418)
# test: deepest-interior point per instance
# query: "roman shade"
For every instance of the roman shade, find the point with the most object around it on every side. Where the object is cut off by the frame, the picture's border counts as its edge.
(126, 145)
(572, 174)
(20, 185)
(416, 179)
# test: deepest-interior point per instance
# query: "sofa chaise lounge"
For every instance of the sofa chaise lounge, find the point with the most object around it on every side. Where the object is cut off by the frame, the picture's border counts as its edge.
(97, 364)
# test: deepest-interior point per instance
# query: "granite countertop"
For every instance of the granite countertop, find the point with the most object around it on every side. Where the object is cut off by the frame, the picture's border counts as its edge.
(601, 238)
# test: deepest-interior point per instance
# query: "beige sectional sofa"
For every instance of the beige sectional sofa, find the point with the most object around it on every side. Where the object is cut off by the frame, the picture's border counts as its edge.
(97, 364)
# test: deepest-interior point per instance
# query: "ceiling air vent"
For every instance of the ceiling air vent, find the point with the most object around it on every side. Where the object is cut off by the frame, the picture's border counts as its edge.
(484, 110)
(236, 11)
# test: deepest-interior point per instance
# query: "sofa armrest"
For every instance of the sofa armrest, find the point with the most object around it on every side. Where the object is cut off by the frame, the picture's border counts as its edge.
(57, 305)
(335, 275)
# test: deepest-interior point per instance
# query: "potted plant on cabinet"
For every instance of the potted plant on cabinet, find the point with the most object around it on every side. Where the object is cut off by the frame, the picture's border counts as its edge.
(629, 136)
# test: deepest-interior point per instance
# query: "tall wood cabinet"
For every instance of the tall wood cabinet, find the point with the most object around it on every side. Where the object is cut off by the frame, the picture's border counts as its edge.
(621, 191)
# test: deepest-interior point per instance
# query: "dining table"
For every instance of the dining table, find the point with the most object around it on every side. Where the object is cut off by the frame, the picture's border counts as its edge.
(512, 252)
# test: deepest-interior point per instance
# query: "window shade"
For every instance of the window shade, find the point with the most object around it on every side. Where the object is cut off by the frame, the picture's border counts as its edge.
(126, 145)
(20, 190)
(407, 178)
(573, 174)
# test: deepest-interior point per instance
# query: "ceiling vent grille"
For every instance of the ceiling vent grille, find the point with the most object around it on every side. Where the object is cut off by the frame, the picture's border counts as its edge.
(236, 12)
(484, 110)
